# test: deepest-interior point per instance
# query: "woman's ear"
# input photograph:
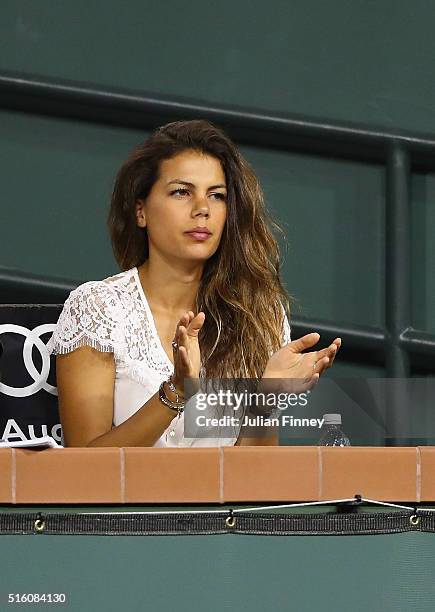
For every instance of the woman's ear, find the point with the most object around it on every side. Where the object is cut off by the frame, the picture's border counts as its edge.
(140, 214)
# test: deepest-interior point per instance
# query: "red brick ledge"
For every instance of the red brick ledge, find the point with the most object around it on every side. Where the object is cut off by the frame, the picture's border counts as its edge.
(215, 475)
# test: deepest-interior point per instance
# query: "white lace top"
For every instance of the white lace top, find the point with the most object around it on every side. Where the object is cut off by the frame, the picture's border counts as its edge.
(113, 315)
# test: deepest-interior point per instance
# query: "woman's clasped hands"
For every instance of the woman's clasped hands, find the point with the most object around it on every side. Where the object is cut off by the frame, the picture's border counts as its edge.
(289, 369)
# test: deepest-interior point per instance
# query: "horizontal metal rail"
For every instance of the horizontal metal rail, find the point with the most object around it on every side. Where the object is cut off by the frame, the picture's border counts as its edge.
(128, 108)
(355, 337)
(17, 287)
(418, 342)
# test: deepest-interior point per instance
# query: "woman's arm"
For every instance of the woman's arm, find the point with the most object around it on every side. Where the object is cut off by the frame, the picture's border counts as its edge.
(86, 379)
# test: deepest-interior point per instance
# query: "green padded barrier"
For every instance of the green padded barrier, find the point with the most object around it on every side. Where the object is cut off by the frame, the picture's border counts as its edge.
(391, 573)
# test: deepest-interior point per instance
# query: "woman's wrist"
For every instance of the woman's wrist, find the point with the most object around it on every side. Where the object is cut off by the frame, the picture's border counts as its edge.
(185, 393)
(179, 389)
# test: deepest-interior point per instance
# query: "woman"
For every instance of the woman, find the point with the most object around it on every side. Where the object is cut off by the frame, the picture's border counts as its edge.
(200, 296)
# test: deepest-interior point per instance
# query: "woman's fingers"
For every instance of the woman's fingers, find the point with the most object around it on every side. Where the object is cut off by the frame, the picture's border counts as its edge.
(183, 356)
(330, 351)
(188, 326)
(337, 343)
(180, 338)
(184, 322)
(327, 355)
(334, 350)
(307, 341)
(187, 354)
(183, 337)
(195, 324)
(312, 382)
(321, 365)
(308, 383)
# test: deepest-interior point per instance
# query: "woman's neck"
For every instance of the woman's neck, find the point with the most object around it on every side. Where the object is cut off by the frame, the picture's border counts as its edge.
(169, 290)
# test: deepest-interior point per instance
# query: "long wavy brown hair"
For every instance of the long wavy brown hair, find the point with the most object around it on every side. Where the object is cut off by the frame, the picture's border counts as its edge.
(240, 291)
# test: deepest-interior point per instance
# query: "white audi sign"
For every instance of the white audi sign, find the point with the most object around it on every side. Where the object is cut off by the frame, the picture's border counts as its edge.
(32, 339)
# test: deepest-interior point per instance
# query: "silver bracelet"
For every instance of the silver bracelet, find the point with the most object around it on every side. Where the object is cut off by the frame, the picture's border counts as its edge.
(177, 406)
(172, 388)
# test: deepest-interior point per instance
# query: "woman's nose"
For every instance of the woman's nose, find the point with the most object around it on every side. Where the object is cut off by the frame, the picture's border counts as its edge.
(201, 207)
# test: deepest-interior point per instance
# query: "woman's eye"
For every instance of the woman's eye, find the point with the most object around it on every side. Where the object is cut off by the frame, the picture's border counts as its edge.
(181, 191)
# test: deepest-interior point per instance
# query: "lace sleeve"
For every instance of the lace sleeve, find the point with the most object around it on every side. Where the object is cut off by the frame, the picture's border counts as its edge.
(91, 316)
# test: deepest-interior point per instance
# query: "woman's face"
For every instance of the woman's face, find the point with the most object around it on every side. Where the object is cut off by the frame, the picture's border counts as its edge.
(190, 192)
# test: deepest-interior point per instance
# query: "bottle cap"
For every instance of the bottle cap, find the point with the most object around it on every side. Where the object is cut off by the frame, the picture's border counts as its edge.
(332, 419)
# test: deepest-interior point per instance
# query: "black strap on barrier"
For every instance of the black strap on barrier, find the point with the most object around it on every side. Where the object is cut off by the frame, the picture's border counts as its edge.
(209, 523)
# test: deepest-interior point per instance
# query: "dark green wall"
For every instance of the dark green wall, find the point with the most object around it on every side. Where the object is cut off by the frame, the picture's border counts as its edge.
(361, 61)
(349, 59)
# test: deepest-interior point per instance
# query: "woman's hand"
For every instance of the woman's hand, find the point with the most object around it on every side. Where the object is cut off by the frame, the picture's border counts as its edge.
(298, 371)
(187, 358)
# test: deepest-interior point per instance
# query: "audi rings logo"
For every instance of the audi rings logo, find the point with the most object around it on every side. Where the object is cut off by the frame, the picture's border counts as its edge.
(32, 338)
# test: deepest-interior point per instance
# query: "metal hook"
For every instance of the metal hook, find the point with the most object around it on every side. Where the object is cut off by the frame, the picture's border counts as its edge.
(414, 519)
(39, 523)
(230, 521)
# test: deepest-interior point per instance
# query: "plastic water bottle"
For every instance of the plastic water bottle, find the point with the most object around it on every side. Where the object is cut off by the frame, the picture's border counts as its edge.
(332, 434)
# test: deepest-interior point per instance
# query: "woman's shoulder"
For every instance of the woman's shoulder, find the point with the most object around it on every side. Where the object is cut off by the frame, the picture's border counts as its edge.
(109, 296)
(93, 314)
(119, 283)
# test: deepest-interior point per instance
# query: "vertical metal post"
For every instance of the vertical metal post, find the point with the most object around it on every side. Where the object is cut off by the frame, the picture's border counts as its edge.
(398, 286)
(398, 258)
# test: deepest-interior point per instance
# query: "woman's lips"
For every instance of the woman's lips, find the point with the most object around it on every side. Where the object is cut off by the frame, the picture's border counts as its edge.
(199, 235)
